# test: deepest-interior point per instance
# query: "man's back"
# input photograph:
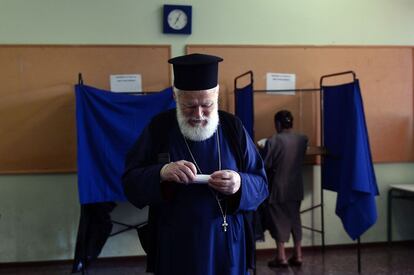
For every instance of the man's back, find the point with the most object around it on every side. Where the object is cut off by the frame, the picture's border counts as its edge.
(284, 160)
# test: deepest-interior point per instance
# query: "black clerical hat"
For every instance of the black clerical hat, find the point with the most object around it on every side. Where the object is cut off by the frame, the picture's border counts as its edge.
(195, 71)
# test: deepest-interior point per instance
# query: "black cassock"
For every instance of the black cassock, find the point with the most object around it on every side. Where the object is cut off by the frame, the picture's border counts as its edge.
(190, 235)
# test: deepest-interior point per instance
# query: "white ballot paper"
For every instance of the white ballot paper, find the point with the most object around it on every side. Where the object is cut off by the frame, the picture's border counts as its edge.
(201, 179)
(262, 142)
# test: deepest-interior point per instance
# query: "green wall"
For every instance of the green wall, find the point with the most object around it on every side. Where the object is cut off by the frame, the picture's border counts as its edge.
(39, 213)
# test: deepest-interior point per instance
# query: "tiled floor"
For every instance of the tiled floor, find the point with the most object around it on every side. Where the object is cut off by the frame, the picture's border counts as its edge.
(375, 259)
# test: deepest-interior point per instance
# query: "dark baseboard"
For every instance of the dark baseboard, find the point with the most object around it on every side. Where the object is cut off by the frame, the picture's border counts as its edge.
(120, 260)
(272, 251)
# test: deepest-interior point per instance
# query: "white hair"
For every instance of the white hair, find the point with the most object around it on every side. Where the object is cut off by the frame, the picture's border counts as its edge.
(198, 132)
(214, 89)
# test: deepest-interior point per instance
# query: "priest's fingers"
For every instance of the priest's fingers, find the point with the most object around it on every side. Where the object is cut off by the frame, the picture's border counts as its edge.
(180, 171)
(225, 181)
(190, 165)
(227, 189)
(186, 171)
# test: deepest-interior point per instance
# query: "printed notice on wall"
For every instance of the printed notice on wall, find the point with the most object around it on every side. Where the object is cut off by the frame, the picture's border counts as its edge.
(126, 83)
(277, 83)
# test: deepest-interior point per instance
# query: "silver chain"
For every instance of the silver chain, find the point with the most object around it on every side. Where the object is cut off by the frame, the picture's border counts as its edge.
(223, 212)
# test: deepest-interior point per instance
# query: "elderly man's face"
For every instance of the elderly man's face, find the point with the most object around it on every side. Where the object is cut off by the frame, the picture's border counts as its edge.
(197, 106)
(197, 113)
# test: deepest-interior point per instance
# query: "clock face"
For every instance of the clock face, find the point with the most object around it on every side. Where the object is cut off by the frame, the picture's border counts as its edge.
(177, 19)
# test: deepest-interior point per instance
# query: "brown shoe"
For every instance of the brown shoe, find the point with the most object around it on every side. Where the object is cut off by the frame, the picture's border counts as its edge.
(293, 261)
(278, 263)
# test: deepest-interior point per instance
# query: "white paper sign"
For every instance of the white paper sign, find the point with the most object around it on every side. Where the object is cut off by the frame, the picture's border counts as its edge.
(123, 83)
(278, 81)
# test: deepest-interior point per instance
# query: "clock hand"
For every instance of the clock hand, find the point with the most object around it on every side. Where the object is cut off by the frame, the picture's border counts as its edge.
(178, 18)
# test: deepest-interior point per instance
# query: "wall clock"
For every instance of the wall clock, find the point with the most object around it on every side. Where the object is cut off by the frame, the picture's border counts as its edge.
(177, 19)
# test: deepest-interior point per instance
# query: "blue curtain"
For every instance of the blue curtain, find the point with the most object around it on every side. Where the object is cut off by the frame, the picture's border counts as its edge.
(348, 168)
(244, 107)
(107, 125)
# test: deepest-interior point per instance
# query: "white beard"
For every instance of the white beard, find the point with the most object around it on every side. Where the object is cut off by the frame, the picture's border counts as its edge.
(198, 132)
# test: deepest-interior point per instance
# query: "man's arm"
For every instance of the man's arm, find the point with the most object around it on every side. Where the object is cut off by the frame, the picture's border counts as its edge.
(248, 188)
(253, 185)
(141, 179)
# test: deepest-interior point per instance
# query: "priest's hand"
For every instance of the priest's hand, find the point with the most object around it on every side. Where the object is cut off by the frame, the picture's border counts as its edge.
(180, 171)
(225, 181)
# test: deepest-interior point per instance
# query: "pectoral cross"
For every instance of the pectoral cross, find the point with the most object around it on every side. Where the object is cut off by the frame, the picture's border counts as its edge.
(224, 224)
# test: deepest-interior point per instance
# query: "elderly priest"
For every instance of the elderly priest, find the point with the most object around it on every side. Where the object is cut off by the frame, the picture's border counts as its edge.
(201, 176)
